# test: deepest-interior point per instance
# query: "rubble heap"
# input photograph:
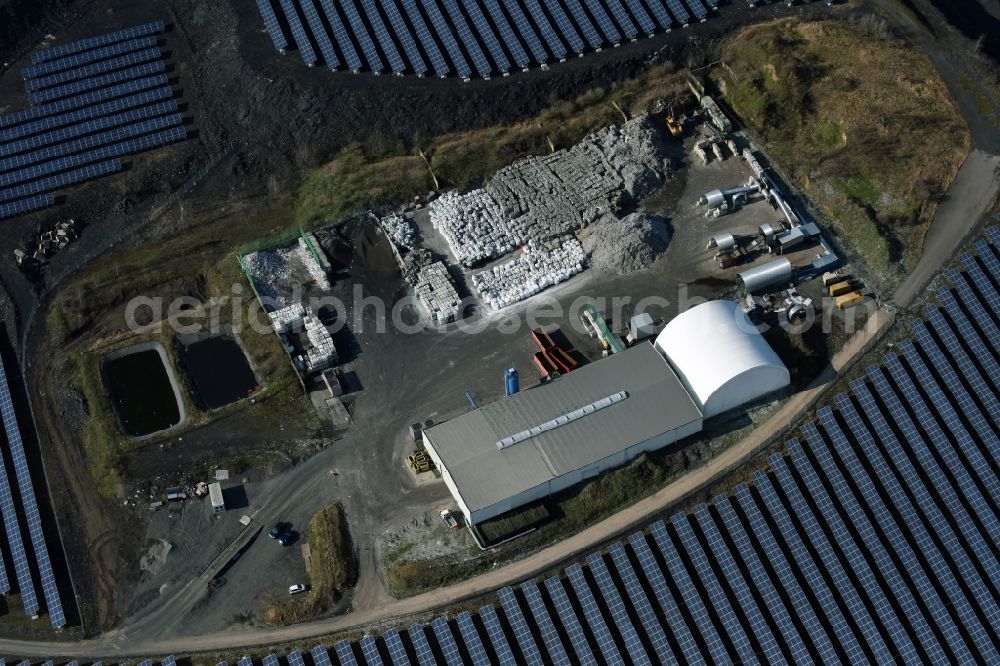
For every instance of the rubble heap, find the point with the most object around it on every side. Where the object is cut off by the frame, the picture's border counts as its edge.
(401, 230)
(538, 267)
(619, 247)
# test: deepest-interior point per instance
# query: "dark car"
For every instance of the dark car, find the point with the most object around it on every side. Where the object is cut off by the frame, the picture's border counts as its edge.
(278, 530)
(285, 538)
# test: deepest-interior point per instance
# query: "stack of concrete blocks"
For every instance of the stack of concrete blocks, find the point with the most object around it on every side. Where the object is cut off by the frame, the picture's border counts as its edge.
(544, 197)
(437, 293)
(287, 318)
(322, 353)
(538, 267)
(315, 270)
(399, 229)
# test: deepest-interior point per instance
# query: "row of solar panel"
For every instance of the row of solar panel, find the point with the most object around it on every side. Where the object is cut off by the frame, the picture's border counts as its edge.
(493, 34)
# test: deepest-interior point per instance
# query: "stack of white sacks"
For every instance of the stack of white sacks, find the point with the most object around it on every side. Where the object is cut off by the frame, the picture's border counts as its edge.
(474, 226)
(288, 317)
(437, 293)
(322, 354)
(537, 268)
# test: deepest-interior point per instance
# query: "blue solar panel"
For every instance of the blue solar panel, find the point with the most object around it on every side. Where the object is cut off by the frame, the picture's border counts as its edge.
(604, 22)
(619, 614)
(638, 601)
(394, 644)
(402, 33)
(87, 57)
(622, 18)
(425, 656)
(269, 660)
(972, 371)
(965, 330)
(321, 656)
(526, 31)
(341, 36)
(569, 621)
(244, 661)
(369, 648)
(443, 32)
(982, 284)
(866, 532)
(507, 33)
(86, 85)
(66, 146)
(485, 32)
(361, 34)
(330, 58)
(796, 550)
(446, 642)
(384, 38)
(851, 553)
(976, 309)
(19, 557)
(587, 29)
(716, 596)
(592, 614)
(966, 444)
(741, 590)
(517, 623)
(86, 100)
(664, 598)
(914, 440)
(426, 39)
(93, 70)
(93, 155)
(272, 26)
(771, 599)
(698, 9)
(45, 55)
(479, 61)
(28, 502)
(814, 533)
(501, 648)
(295, 659)
(299, 35)
(61, 180)
(345, 653)
(891, 489)
(11, 210)
(661, 14)
(565, 26)
(989, 259)
(470, 638)
(556, 46)
(677, 9)
(540, 614)
(689, 594)
(170, 661)
(641, 16)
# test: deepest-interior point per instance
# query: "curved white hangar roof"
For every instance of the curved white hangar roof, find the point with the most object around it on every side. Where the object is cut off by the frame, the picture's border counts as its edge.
(721, 358)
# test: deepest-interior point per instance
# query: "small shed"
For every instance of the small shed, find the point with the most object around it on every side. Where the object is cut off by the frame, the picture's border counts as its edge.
(641, 327)
(215, 494)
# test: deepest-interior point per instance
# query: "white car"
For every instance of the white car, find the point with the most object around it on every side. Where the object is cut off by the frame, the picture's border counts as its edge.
(297, 588)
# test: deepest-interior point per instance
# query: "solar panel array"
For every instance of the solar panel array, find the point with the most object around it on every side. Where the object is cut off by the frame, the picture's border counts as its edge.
(92, 102)
(874, 539)
(485, 37)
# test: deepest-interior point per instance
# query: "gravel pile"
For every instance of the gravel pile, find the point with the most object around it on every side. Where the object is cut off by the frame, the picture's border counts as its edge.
(619, 247)
(542, 197)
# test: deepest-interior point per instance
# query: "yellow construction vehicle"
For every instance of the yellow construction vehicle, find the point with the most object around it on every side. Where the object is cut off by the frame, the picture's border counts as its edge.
(675, 124)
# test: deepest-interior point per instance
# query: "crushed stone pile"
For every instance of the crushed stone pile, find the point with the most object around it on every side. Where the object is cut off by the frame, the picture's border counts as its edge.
(628, 245)
(542, 197)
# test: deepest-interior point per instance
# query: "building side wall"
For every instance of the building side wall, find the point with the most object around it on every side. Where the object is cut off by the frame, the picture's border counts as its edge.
(446, 475)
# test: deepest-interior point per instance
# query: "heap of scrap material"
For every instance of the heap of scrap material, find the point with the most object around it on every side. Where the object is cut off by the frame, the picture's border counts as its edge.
(539, 266)
(542, 197)
(437, 293)
(401, 230)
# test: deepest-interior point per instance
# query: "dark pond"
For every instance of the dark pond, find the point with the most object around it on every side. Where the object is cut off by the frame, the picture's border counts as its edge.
(218, 371)
(141, 393)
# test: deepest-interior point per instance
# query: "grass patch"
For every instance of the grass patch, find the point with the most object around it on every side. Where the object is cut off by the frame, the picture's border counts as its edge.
(333, 569)
(875, 147)
(390, 173)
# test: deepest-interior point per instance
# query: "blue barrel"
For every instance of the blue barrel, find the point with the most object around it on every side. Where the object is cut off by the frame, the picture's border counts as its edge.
(511, 381)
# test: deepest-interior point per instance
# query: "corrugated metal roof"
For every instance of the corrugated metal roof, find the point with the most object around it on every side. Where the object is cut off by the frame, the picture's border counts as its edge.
(657, 403)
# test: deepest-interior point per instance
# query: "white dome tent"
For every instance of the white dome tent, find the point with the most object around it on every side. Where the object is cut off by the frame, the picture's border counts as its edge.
(721, 358)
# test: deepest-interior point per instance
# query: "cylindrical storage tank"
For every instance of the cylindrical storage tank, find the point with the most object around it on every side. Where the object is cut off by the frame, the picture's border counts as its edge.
(713, 199)
(725, 242)
(511, 381)
(772, 273)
